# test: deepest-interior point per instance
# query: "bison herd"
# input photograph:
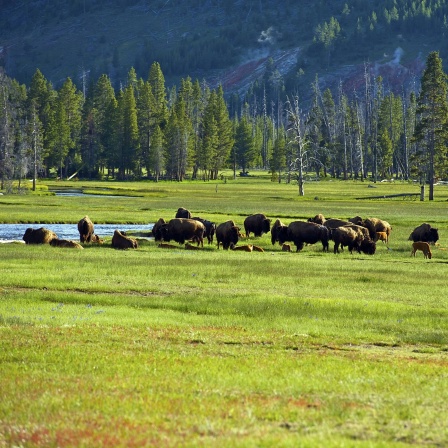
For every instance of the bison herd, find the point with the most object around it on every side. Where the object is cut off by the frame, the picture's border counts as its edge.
(356, 234)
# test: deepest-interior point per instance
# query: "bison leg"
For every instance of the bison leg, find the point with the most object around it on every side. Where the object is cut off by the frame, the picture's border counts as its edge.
(299, 245)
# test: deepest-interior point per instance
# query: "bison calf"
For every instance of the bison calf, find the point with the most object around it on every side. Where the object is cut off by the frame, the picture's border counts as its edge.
(423, 246)
(381, 236)
(245, 248)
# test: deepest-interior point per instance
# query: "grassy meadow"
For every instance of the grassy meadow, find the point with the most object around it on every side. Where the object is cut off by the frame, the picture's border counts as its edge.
(159, 347)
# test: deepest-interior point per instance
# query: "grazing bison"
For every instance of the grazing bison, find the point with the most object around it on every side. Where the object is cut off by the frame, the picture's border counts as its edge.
(300, 232)
(423, 246)
(377, 225)
(120, 241)
(183, 213)
(210, 229)
(38, 236)
(286, 247)
(156, 229)
(346, 236)
(182, 229)
(85, 229)
(276, 230)
(356, 220)
(367, 247)
(227, 233)
(257, 224)
(56, 242)
(426, 233)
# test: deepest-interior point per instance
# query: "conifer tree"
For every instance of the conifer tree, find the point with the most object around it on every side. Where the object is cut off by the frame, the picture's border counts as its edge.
(157, 82)
(431, 131)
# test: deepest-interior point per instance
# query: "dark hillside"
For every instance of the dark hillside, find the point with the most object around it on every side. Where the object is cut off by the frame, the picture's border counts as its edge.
(260, 44)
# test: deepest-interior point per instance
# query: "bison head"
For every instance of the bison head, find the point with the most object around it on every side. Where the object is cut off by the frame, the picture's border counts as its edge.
(368, 247)
(433, 236)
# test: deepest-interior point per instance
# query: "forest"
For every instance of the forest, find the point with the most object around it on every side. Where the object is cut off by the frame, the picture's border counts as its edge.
(146, 131)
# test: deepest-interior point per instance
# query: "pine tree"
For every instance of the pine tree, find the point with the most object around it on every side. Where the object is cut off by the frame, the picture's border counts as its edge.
(41, 97)
(157, 82)
(431, 131)
(244, 144)
(128, 139)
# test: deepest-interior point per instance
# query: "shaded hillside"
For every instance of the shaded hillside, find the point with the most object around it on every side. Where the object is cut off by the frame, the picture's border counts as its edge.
(237, 43)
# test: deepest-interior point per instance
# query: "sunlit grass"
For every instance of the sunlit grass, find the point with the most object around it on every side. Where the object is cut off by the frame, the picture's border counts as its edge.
(156, 347)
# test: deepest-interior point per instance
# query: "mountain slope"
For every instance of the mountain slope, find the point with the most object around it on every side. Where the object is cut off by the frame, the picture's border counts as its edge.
(232, 42)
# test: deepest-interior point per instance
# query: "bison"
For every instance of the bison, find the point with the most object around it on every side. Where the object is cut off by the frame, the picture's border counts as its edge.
(426, 233)
(210, 229)
(38, 236)
(120, 241)
(227, 233)
(423, 246)
(183, 213)
(356, 220)
(85, 229)
(300, 232)
(346, 236)
(156, 229)
(244, 248)
(182, 229)
(276, 230)
(377, 225)
(318, 219)
(56, 242)
(257, 224)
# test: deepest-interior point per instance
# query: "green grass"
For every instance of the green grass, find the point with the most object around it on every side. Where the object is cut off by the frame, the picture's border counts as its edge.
(157, 347)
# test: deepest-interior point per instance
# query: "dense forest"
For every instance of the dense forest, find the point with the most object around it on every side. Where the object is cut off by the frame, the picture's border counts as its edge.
(145, 130)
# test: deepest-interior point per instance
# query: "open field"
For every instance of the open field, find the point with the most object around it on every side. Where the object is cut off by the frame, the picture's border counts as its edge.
(157, 347)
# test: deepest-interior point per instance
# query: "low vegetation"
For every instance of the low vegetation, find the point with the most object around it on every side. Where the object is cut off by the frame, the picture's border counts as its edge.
(169, 347)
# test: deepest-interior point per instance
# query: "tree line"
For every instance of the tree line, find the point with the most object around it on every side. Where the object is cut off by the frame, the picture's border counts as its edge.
(145, 130)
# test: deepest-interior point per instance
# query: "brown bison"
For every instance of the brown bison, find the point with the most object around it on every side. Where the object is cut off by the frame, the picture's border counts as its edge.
(381, 236)
(156, 229)
(300, 232)
(356, 220)
(210, 229)
(85, 229)
(38, 236)
(318, 219)
(366, 244)
(346, 236)
(56, 242)
(333, 223)
(183, 213)
(423, 246)
(377, 225)
(257, 224)
(286, 247)
(426, 233)
(227, 233)
(120, 241)
(276, 230)
(182, 229)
